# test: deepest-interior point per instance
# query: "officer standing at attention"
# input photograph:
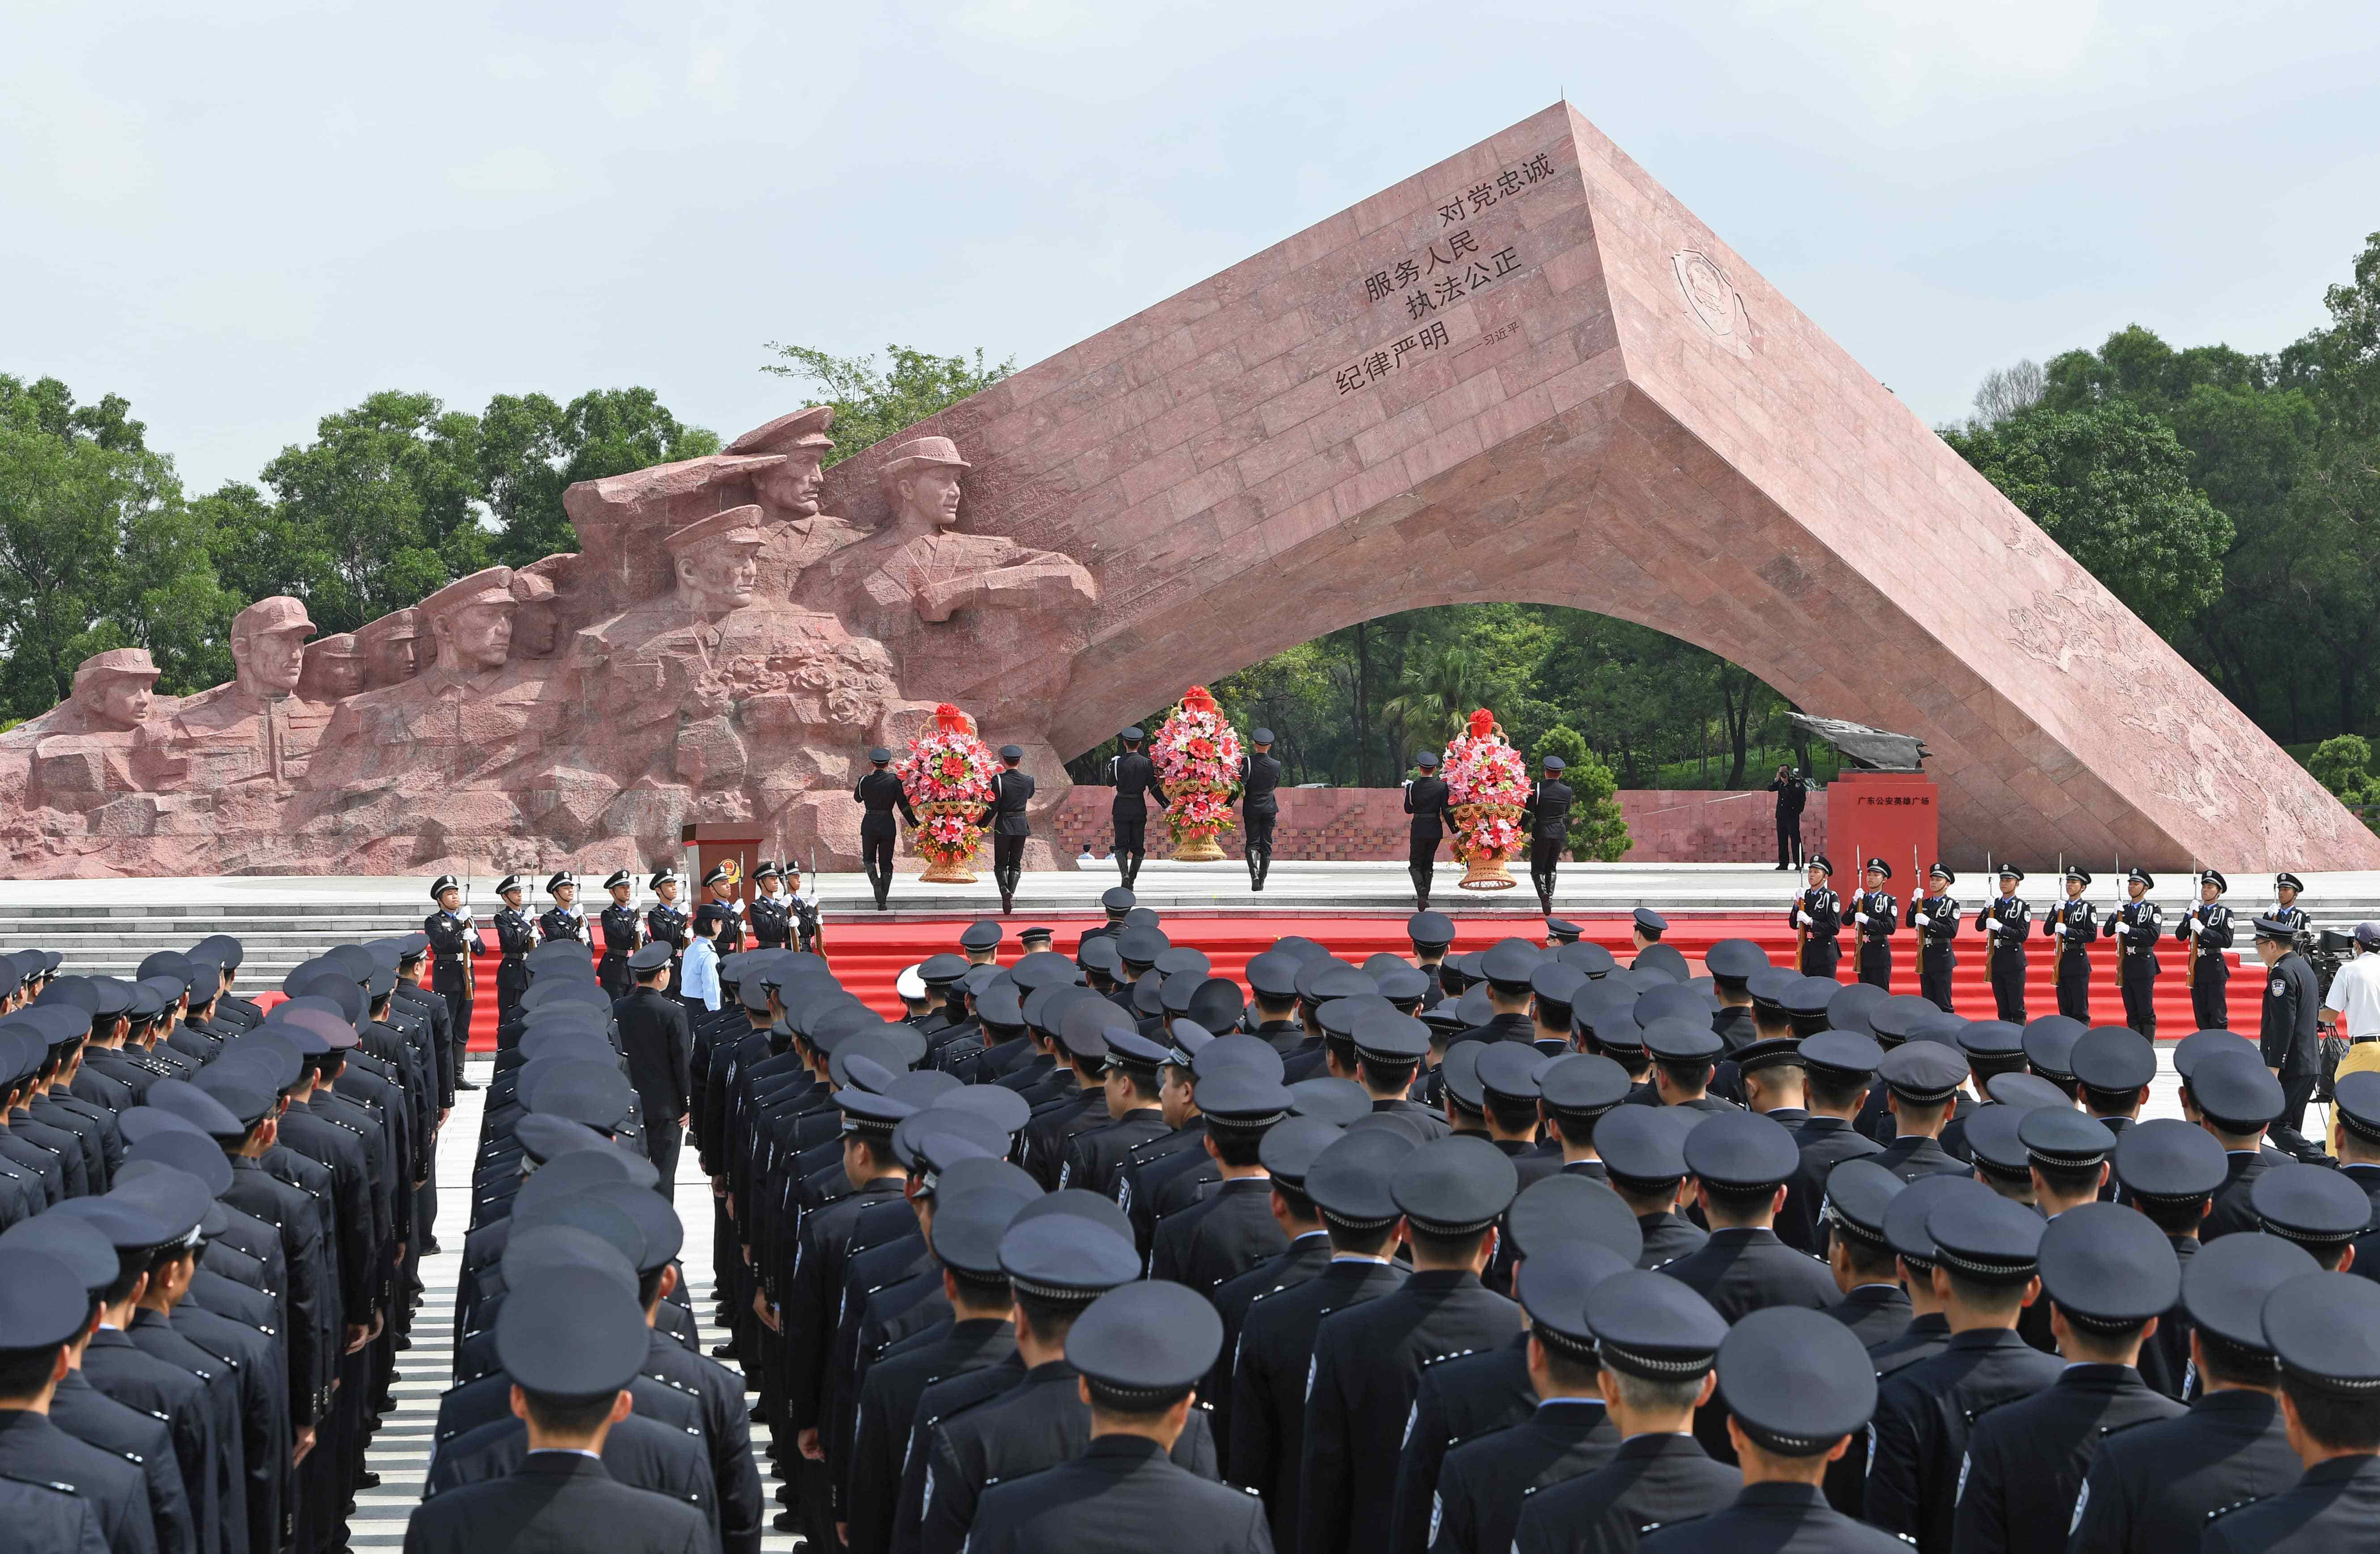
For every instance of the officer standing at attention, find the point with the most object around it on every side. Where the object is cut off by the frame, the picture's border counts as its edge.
(515, 936)
(1425, 802)
(1134, 777)
(657, 1040)
(1741, 1163)
(720, 882)
(772, 924)
(44, 1308)
(2286, 888)
(1816, 919)
(2326, 1328)
(453, 940)
(2206, 929)
(883, 794)
(564, 919)
(802, 913)
(1545, 819)
(2290, 1038)
(2002, 921)
(1259, 775)
(667, 922)
(1797, 1387)
(1935, 917)
(2073, 924)
(623, 932)
(1138, 1352)
(1874, 918)
(1011, 791)
(2136, 927)
(570, 1340)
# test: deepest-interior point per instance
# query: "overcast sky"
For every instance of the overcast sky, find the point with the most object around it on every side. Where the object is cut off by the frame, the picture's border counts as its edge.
(243, 216)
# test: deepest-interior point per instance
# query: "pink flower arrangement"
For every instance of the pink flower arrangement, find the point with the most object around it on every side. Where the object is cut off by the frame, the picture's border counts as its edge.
(1196, 753)
(1487, 787)
(948, 773)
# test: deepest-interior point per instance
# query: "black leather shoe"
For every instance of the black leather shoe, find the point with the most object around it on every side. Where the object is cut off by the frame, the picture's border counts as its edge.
(785, 1521)
(464, 1085)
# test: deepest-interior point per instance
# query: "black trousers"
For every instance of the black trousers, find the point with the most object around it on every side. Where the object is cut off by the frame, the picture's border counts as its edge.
(2139, 997)
(876, 856)
(1131, 821)
(1933, 966)
(2296, 1090)
(1421, 863)
(1007, 862)
(1260, 831)
(2074, 985)
(1788, 841)
(512, 981)
(2008, 986)
(2210, 996)
(662, 1139)
(1545, 865)
(457, 994)
(1821, 956)
(612, 975)
(1875, 965)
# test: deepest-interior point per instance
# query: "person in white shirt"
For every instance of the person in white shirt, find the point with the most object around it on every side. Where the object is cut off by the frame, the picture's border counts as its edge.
(2354, 1001)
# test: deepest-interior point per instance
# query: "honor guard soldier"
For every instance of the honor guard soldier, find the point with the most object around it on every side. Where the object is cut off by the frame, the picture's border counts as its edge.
(2107, 1274)
(1876, 917)
(1816, 919)
(1134, 777)
(624, 933)
(2289, 1036)
(1545, 819)
(719, 882)
(808, 927)
(453, 940)
(2136, 927)
(2286, 889)
(1259, 775)
(772, 924)
(1138, 1353)
(44, 1308)
(1012, 790)
(2325, 1329)
(2073, 924)
(1935, 915)
(667, 922)
(1797, 1387)
(571, 1339)
(2207, 929)
(1425, 802)
(881, 793)
(2155, 1487)
(2002, 922)
(515, 936)
(565, 918)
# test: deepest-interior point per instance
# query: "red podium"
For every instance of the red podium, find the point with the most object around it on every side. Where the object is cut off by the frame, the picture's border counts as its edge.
(707, 846)
(1895, 816)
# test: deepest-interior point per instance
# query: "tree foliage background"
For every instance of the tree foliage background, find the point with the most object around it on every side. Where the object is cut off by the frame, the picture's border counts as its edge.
(2231, 499)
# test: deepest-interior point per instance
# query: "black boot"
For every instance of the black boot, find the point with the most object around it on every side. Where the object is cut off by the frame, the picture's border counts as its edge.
(1256, 870)
(1264, 869)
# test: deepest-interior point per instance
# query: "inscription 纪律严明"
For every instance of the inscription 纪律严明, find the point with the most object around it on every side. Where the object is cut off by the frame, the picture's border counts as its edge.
(1370, 368)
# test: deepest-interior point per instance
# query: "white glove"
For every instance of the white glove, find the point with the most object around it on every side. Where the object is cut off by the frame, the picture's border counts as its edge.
(1992, 924)
(2059, 929)
(1801, 919)
(2190, 924)
(1860, 917)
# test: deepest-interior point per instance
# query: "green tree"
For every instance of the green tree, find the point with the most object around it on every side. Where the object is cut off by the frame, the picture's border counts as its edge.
(1597, 832)
(2111, 483)
(1440, 686)
(2343, 764)
(532, 448)
(871, 404)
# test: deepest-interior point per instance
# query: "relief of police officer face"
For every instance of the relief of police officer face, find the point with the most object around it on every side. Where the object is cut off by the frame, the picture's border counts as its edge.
(931, 494)
(119, 701)
(719, 577)
(477, 637)
(792, 486)
(270, 661)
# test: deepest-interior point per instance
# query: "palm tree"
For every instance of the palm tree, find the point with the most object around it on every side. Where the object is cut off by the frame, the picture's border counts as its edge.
(1436, 692)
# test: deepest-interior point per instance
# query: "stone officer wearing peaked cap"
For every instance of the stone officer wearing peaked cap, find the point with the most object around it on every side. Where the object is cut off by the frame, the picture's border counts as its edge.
(1138, 1353)
(881, 793)
(1134, 777)
(1259, 776)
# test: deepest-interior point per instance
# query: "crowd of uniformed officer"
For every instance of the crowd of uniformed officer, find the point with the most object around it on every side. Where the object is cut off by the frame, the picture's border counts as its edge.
(1519, 1247)
(212, 1222)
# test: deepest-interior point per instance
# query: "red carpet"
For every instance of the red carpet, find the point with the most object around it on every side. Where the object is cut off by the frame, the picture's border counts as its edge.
(866, 957)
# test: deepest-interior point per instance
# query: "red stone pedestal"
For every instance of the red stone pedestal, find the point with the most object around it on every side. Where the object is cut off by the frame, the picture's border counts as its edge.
(1895, 816)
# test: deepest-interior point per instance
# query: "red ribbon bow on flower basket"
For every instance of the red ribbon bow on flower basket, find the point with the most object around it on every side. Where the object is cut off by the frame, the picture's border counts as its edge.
(1482, 723)
(1197, 698)
(950, 720)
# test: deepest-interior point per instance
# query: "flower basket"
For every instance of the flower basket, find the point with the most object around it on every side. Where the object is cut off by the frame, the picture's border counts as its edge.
(948, 774)
(1196, 753)
(1487, 789)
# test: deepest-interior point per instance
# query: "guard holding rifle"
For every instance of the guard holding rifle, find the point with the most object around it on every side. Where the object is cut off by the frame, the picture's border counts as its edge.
(802, 914)
(2003, 921)
(771, 925)
(2206, 929)
(1935, 919)
(562, 920)
(1875, 917)
(667, 922)
(515, 936)
(1817, 918)
(2136, 927)
(2073, 923)
(624, 932)
(453, 940)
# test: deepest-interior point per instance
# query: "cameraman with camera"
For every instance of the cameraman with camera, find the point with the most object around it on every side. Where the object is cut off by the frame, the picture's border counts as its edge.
(2352, 1005)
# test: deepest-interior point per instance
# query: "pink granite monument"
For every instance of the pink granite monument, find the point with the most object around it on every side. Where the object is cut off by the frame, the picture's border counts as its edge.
(1525, 373)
